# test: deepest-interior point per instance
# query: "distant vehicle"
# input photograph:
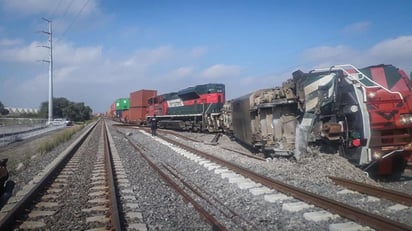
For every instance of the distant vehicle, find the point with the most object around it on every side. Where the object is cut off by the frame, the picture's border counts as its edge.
(60, 122)
(69, 123)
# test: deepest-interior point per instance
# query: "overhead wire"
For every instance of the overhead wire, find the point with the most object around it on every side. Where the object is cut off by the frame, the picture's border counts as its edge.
(67, 8)
(52, 15)
(78, 14)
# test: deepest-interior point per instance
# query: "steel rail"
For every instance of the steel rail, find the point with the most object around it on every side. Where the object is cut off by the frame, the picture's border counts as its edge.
(8, 221)
(114, 206)
(344, 210)
(393, 195)
(209, 217)
(245, 154)
(232, 214)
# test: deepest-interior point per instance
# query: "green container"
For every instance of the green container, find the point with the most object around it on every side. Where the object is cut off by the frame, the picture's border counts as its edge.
(122, 104)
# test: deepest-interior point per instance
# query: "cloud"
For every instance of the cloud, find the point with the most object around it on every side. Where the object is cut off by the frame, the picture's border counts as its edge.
(182, 72)
(198, 51)
(67, 53)
(49, 7)
(63, 53)
(221, 71)
(30, 53)
(396, 51)
(398, 48)
(148, 57)
(357, 27)
(10, 42)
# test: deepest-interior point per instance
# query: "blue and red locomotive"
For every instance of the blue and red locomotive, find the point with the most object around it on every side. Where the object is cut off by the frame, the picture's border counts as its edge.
(192, 109)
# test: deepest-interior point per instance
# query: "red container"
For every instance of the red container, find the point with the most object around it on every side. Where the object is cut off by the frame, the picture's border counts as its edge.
(139, 98)
(111, 112)
(125, 116)
(137, 114)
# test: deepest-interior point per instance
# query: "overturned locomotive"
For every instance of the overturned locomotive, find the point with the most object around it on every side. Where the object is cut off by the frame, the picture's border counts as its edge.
(365, 115)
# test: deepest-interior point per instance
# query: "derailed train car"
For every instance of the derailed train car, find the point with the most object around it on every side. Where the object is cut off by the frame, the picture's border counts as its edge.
(365, 115)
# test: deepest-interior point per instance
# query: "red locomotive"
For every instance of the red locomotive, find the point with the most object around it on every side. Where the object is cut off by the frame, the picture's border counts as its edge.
(193, 109)
(389, 103)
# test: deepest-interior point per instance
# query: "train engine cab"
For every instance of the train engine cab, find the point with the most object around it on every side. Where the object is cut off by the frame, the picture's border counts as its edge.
(367, 112)
(389, 102)
(192, 109)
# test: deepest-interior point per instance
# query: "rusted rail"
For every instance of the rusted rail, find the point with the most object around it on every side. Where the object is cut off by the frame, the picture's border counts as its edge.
(344, 210)
(246, 154)
(114, 205)
(194, 189)
(209, 217)
(396, 196)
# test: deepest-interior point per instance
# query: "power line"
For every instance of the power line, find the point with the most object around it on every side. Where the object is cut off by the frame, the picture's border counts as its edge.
(78, 14)
(67, 8)
(55, 9)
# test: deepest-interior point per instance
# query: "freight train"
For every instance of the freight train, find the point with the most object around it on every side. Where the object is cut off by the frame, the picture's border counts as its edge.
(192, 109)
(363, 114)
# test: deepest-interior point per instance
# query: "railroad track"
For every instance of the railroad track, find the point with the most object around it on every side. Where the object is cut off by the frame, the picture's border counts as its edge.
(54, 199)
(344, 210)
(197, 141)
(392, 195)
(193, 193)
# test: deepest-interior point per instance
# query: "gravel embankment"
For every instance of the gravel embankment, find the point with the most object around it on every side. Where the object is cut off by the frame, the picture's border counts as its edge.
(309, 173)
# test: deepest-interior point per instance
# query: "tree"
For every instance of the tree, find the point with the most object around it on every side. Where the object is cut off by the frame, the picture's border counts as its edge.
(63, 108)
(3, 111)
(77, 112)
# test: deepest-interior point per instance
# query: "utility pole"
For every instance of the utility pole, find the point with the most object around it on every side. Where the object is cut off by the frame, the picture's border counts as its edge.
(50, 61)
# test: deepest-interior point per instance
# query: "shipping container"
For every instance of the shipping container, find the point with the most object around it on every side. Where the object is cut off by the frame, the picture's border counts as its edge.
(119, 114)
(122, 104)
(111, 112)
(140, 98)
(137, 114)
(125, 116)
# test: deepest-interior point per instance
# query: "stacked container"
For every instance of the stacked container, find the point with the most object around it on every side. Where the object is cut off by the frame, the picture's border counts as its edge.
(139, 105)
(122, 107)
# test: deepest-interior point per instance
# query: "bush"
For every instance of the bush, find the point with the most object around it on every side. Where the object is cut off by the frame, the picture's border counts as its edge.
(59, 138)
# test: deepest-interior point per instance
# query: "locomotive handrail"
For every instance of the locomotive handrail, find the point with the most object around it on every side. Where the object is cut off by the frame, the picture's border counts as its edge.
(207, 109)
(342, 68)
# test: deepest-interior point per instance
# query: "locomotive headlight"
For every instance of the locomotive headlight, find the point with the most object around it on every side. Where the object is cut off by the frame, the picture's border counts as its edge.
(403, 120)
(371, 94)
(406, 119)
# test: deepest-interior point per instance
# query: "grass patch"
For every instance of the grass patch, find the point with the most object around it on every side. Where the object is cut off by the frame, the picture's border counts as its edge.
(59, 138)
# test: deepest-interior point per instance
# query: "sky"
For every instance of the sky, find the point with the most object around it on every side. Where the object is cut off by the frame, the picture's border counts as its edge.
(104, 50)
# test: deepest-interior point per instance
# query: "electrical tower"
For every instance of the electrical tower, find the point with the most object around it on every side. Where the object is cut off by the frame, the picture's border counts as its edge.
(50, 61)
